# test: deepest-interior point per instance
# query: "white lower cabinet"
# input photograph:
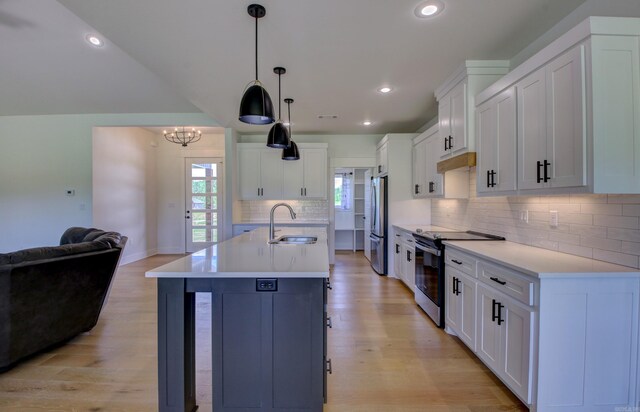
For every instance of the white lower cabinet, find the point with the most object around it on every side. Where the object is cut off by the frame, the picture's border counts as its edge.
(460, 309)
(408, 270)
(504, 339)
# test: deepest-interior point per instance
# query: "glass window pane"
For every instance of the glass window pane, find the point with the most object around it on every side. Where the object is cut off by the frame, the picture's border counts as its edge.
(205, 235)
(204, 186)
(338, 191)
(204, 202)
(204, 219)
(204, 170)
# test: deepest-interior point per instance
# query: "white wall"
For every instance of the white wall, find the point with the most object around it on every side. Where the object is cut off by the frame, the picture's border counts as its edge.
(41, 157)
(124, 187)
(609, 8)
(172, 188)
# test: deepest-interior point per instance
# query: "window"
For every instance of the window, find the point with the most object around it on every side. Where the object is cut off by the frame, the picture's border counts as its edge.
(342, 194)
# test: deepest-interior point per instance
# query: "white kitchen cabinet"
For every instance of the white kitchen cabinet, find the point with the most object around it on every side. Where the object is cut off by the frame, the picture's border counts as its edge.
(505, 338)
(260, 173)
(397, 257)
(577, 113)
(456, 104)
(382, 158)
(263, 175)
(497, 136)
(427, 182)
(306, 178)
(460, 307)
(551, 132)
(408, 263)
(419, 163)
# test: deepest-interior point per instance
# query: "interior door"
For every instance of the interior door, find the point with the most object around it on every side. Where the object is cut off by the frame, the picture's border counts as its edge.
(203, 205)
(367, 213)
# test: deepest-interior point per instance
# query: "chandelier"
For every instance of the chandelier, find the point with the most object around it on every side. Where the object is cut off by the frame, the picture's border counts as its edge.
(183, 136)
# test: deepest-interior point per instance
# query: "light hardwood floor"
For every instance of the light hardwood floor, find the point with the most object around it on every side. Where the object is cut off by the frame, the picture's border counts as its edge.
(387, 355)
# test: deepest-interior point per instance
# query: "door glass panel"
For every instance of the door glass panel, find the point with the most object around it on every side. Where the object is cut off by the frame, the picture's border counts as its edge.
(204, 170)
(204, 202)
(204, 235)
(204, 186)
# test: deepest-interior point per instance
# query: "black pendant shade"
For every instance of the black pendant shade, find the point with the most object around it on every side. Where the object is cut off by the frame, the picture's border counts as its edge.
(278, 135)
(291, 152)
(256, 106)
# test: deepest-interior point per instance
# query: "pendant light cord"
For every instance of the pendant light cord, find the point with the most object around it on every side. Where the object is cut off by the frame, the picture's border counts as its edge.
(279, 98)
(256, 48)
(289, 110)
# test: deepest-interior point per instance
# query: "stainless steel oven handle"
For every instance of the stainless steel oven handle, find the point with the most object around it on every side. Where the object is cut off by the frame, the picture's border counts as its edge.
(428, 249)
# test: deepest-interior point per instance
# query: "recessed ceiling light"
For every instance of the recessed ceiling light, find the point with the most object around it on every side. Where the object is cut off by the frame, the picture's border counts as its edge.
(286, 124)
(94, 40)
(429, 8)
(385, 89)
(366, 123)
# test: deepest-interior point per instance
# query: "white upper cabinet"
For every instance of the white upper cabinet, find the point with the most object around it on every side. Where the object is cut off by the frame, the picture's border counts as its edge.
(456, 104)
(551, 124)
(382, 159)
(427, 182)
(265, 176)
(260, 173)
(419, 163)
(578, 112)
(496, 129)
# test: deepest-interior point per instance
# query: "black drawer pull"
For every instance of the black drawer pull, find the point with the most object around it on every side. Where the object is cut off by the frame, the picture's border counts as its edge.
(502, 282)
(329, 368)
(456, 261)
(329, 324)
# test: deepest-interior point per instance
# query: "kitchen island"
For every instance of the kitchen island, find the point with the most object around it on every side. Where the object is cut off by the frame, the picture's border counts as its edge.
(268, 323)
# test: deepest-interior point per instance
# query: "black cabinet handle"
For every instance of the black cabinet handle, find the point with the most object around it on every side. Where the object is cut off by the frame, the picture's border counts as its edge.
(397, 248)
(329, 323)
(488, 178)
(457, 286)
(445, 144)
(379, 168)
(301, 191)
(432, 187)
(538, 166)
(454, 284)
(329, 284)
(502, 282)
(417, 189)
(456, 261)
(500, 320)
(546, 171)
(450, 142)
(408, 256)
(494, 315)
(491, 177)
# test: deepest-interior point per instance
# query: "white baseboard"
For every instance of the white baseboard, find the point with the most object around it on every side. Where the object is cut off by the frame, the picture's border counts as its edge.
(137, 256)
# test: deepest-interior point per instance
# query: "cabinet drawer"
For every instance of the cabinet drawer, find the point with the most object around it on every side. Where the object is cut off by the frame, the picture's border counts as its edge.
(461, 261)
(507, 281)
(408, 240)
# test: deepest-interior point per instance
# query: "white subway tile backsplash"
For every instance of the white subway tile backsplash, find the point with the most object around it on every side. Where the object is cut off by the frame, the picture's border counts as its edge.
(625, 222)
(601, 209)
(258, 210)
(603, 227)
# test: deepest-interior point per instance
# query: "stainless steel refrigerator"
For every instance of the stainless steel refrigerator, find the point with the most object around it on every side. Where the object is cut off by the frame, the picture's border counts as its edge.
(378, 237)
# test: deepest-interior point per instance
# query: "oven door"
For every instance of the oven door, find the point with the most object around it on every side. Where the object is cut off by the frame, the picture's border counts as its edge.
(427, 263)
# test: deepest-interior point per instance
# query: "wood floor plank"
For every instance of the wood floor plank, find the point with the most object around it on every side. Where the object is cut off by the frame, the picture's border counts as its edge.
(387, 355)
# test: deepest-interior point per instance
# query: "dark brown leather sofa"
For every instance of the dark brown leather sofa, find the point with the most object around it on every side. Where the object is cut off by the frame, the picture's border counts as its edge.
(48, 295)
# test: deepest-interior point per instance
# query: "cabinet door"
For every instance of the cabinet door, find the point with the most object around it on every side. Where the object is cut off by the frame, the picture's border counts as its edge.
(271, 167)
(517, 347)
(458, 118)
(467, 316)
(293, 178)
(419, 158)
(397, 259)
(452, 302)
(505, 152)
(487, 144)
(249, 171)
(408, 271)
(566, 134)
(488, 339)
(382, 158)
(444, 126)
(435, 181)
(532, 131)
(315, 173)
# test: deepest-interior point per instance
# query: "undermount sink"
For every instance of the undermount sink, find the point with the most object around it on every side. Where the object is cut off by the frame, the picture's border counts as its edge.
(296, 240)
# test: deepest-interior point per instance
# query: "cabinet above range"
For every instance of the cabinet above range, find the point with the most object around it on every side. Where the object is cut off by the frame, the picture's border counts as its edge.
(263, 175)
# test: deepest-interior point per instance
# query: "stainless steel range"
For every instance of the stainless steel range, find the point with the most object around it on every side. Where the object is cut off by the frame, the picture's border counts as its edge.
(429, 265)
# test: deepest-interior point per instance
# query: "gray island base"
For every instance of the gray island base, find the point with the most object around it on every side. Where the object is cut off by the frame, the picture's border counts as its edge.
(268, 332)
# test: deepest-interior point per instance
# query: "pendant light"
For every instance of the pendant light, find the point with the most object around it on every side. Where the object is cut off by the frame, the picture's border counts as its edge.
(279, 135)
(256, 106)
(291, 152)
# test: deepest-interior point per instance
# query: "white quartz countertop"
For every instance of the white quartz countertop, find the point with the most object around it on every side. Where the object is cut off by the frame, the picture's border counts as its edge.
(540, 263)
(413, 228)
(250, 256)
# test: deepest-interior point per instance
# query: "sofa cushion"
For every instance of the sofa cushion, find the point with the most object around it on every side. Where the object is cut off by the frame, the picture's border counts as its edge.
(78, 234)
(49, 252)
(111, 239)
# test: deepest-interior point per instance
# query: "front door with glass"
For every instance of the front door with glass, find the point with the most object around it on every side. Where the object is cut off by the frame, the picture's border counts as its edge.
(203, 210)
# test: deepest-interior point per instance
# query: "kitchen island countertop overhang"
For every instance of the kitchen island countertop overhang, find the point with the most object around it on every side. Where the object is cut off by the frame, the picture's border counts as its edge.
(250, 255)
